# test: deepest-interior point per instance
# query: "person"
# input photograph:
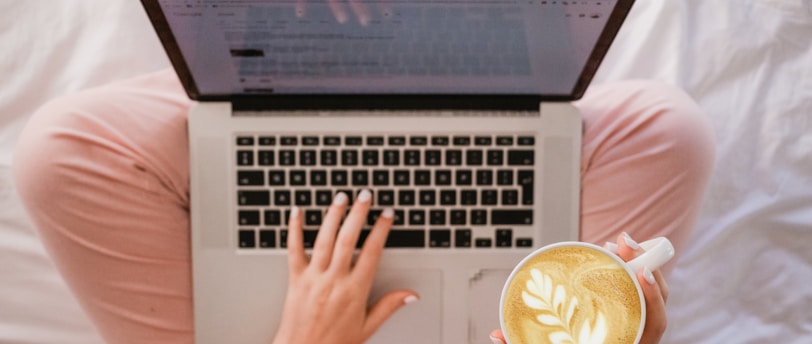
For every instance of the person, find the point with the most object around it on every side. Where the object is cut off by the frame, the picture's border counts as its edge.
(104, 176)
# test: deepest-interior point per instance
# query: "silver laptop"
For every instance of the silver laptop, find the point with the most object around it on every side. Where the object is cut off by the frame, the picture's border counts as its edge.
(455, 113)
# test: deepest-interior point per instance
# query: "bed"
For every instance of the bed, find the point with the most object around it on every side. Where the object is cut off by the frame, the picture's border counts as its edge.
(745, 275)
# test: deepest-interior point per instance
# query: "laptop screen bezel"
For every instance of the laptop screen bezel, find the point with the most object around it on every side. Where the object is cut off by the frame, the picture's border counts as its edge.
(385, 101)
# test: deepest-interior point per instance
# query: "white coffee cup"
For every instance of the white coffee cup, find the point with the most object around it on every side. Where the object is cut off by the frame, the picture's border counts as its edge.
(658, 251)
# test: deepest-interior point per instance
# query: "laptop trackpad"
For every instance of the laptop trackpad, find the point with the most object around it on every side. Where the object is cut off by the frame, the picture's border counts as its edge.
(418, 322)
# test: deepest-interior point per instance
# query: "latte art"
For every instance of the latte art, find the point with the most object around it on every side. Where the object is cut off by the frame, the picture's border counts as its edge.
(572, 295)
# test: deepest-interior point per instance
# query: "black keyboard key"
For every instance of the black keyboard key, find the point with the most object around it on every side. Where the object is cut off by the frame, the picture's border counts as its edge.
(510, 197)
(267, 238)
(439, 141)
(349, 157)
(434, 157)
(490, 197)
(496, 158)
(245, 141)
(524, 242)
(440, 238)
(288, 141)
(276, 178)
(511, 217)
(298, 177)
(267, 140)
(411, 157)
(303, 198)
(483, 242)
(255, 198)
(248, 217)
(402, 178)
(348, 193)
(406, 238)
(462, 238)
(428, 197)
(442, 177)
(458, 217)
(329, 158)
(484, 177)
(462, 140)
(375, 141)
(464, 177)
(372, 216)
(309, 237)
(332, 141)
(281, 197)
(504, 237)
(380, 178)
(400, 218)
(283, 238)
(468, 197)
(437, 217)
(525, 179)
(391, 158)
(448, 197)
(245, 158)
(362, 238)
(318, 177)
(422, 177)
(266, 158)
(307, 158)
(287, 158)
(521, 157)
(504, 140)
(418, 140)
(473, 158)
(254, 178)
(370, 158)
(324, 197)
(397, 141)
(353, 141)
(483, 140)
(247, 239)
(479, 217)
(453, 157)
(417, 217)
(273, 218)
(338, 177)
(386, 197)
(360, 178)
(312, 217)
(504, 177)
(406, 197)
(310, 141)
(526, 140)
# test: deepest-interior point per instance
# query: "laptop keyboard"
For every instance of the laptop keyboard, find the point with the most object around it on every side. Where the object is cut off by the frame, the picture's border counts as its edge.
(448, 191)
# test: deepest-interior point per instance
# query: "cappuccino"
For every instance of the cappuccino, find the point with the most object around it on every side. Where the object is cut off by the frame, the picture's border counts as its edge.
(572, 294)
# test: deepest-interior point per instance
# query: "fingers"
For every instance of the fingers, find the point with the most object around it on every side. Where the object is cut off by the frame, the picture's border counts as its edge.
(384, 308)
(627, 247)
(296, 256)
(497, 337)
(338, 11)
(373, 247)
(361, 11)
(350, 231)
(323, 247)
(656, 319)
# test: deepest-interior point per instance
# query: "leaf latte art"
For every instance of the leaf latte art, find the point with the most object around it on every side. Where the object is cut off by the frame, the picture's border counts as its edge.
(572, 295)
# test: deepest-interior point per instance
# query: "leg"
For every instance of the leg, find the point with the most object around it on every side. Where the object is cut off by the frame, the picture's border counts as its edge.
(104, 176)
(647, 155)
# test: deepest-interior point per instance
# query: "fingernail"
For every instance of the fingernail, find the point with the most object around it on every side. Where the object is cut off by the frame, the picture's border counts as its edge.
(612, 247)
(294, 212)
(364, 196)
(340, 199)
(648, 275)
(409, 299)
(388, 213)
(495, 340)
(630, 242)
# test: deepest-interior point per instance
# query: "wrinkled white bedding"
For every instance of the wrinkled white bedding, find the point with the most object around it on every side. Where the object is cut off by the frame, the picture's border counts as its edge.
(746, 274)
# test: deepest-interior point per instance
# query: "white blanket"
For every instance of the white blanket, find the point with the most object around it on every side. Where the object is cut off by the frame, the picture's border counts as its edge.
(745, 275)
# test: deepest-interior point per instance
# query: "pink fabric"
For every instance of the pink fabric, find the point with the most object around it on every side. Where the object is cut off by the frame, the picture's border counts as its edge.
(104, 176)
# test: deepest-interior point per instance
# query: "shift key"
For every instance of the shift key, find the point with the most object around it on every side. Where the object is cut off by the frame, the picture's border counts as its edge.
(512, 217)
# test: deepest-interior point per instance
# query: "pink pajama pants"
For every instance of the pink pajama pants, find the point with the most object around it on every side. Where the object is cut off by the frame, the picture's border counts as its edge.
(104, 175)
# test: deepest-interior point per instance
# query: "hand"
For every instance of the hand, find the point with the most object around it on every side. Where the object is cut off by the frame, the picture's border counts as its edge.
(655, 291)
(359, 8)
(327, 297)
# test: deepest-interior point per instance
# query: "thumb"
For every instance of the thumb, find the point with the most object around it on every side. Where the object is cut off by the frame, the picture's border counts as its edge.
(385, 307)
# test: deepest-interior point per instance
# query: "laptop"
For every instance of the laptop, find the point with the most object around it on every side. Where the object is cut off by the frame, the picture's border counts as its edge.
(455, 113)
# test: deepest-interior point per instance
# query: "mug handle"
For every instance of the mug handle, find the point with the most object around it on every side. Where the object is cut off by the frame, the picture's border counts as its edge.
(658, 251)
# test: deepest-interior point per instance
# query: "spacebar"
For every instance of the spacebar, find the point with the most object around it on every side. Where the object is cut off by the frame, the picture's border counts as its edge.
(512, 217)
(406, 238)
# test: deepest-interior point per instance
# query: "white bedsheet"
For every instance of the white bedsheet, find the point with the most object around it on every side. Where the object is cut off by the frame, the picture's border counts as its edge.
(745, 276)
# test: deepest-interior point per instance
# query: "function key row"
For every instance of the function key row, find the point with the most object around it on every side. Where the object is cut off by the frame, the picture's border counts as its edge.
(386, 157)
(440, 141)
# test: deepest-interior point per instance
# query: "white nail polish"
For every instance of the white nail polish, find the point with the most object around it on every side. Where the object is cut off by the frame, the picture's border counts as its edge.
(388, 213)
(648, 275)
(364, 196)
(495, 340)
(409, 299)
(294, 212)
(630, 242)
(340, 199)
(612, 247)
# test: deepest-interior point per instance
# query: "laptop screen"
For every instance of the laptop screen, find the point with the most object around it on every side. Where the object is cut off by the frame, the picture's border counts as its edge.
(230, 48)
